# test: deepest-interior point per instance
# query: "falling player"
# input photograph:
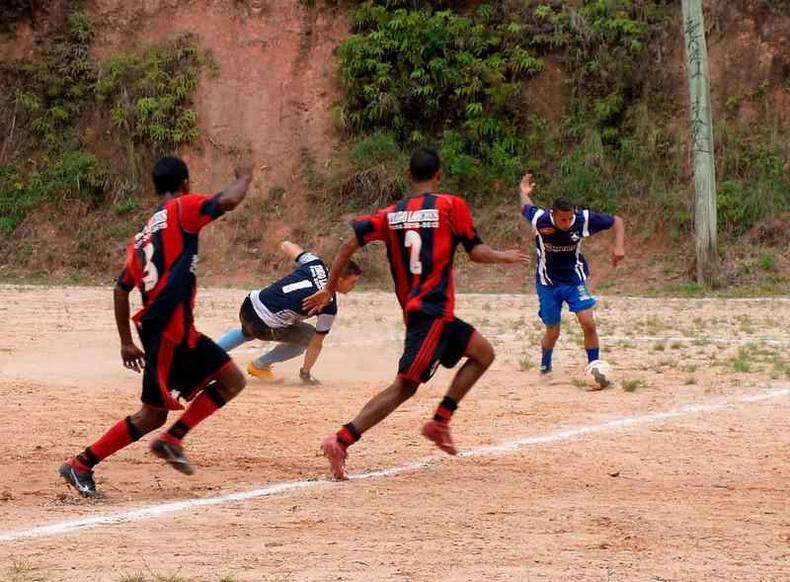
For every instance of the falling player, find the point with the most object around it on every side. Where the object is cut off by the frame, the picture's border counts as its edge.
(177, 361)
(561, 268)
(276, 314)
(421, 233)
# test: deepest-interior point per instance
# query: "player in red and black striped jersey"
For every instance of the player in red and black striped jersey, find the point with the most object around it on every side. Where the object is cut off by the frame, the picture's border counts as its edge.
(177, 361)
(421, 233)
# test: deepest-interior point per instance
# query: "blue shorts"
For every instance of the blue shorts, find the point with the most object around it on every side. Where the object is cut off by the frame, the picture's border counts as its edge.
(551, 298)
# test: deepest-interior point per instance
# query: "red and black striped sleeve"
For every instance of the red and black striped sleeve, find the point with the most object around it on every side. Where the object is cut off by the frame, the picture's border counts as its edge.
(370, 227)
(464, 225)
(129, 278)
(198, 210)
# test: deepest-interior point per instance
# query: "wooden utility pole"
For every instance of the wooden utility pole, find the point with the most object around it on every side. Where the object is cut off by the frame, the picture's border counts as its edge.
(701, 141)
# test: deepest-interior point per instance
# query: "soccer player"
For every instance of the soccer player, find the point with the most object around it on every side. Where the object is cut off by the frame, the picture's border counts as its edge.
(276, 314)
(421, 233)
(177, 361)
(561, 268)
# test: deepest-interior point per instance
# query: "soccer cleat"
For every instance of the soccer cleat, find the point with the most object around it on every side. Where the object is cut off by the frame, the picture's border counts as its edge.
(82, 481)
(264, 374)
(334, 450)
(308, 378)
(439, 433)
(173, 454)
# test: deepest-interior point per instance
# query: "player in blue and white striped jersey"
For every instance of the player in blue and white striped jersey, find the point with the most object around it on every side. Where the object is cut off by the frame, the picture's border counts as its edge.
(562, 272)
(276, 314)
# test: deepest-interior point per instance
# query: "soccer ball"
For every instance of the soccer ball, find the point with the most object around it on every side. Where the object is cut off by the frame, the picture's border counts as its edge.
(599, 374)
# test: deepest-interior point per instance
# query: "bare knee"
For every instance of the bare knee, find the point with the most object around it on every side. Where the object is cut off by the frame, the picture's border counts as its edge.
(148, 418)
(405, 388)
(481, 351)
(230, 382)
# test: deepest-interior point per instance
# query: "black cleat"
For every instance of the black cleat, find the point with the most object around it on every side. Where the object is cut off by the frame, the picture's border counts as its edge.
(82, 481)
(174, 455)
(308, 378)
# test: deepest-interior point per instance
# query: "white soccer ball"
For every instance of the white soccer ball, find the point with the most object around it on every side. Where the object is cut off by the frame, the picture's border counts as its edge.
(599, 374)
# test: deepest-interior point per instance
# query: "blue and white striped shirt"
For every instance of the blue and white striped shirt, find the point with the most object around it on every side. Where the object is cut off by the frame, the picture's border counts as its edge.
(559, 258)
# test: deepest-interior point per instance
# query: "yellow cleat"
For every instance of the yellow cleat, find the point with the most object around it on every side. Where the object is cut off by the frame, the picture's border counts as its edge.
(264, 374)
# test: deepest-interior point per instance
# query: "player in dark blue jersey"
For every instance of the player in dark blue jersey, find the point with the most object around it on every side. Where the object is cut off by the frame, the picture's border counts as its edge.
(276, 314)
(562, 271)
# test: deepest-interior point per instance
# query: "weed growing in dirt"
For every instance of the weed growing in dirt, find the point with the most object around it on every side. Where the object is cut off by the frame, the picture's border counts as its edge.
(22, 571)
(525, 364)
(633, 385)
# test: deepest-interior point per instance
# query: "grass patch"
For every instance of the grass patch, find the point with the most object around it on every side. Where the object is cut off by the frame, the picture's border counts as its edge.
(633, 385)
(525, 364)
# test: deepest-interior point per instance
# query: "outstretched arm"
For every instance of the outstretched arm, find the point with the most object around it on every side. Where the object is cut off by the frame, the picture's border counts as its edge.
(483, 253)
(316, 301)
(232, 195)
(131, 355)
(291, 250)
(619, 240)
(525, 191)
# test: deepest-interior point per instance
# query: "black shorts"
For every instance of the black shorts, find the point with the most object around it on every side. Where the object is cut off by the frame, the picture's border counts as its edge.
(431, 341)
(176, 370)
(300, 333)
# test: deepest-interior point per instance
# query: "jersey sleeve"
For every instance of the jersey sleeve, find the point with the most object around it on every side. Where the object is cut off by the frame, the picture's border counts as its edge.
(529, 211)
(198, 210)
(370, 227)
(326, 318)
(129, 276)
(597, 221)
(306, 257)
(464, 224)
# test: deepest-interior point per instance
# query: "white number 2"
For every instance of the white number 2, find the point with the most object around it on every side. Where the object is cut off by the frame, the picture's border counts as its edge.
(414, 242)
(150, 273)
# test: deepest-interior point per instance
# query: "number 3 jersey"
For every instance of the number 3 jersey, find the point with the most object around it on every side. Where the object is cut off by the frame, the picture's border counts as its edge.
(280, 304)
(161, 261)
(421, 233)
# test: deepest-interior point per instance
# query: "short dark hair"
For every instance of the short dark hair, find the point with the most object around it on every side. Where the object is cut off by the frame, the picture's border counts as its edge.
(561, 204)
(169, 175)
(424, 163)
(351, 269)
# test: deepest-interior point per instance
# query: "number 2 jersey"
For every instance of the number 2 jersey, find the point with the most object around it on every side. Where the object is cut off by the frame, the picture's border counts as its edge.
(161, 261)
(421, 233)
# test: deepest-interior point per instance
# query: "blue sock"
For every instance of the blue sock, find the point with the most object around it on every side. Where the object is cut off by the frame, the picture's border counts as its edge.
(592, 354)
(280, 353)
(233, 339)
(545, 358)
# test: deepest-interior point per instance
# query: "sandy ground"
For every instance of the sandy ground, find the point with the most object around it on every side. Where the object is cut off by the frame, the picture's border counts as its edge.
(698, 496)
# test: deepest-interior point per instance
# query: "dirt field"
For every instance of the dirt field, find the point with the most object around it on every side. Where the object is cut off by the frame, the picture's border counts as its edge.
(701, 493)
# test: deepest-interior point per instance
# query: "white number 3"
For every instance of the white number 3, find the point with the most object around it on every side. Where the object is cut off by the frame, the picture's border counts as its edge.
(150, 273)
(414, 242)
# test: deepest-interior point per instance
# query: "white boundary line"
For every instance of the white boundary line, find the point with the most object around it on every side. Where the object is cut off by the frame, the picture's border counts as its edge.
(157, 510)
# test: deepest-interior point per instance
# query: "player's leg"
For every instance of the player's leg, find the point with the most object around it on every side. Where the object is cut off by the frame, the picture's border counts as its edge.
(550, 313)
(460, 340)
(78, 471)
(582, 303)
(205, 365)
(293, 343)
(377, 409)
(420, 354)
(232, 339)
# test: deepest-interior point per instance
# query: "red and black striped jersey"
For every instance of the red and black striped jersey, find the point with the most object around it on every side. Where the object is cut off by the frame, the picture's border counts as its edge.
(161, 261)
(421, 233)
